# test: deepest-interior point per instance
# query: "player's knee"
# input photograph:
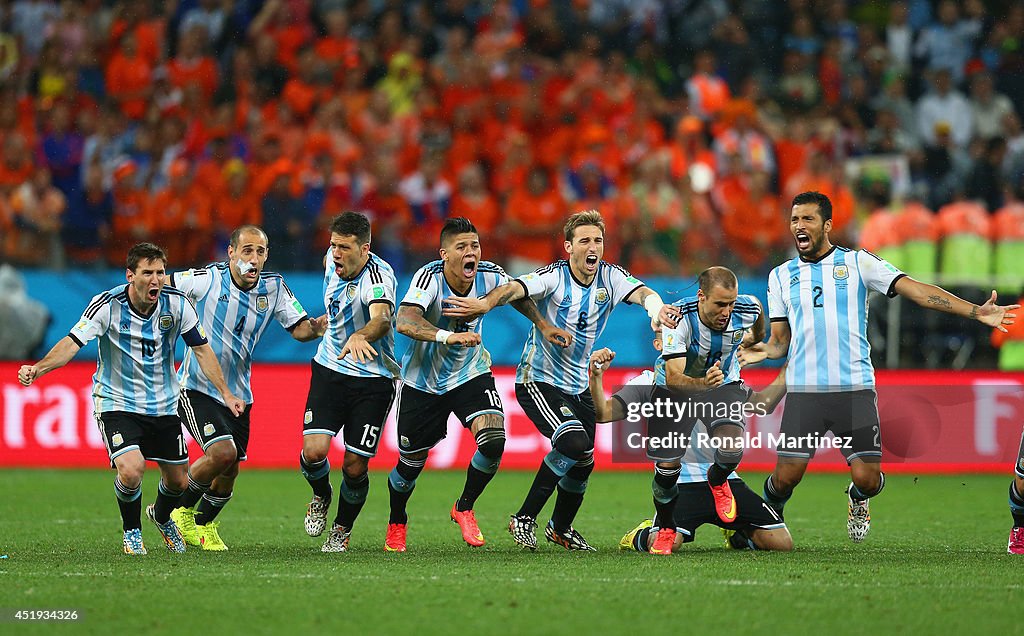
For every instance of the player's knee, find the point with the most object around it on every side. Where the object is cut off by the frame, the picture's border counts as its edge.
(491, 443)
(775, 540)
(314, 455)
(130, 473)
(573, 445)
(223, 454)
(231, 471)
(354, 469)
(867, 478)
(786, 481)
(175, 482)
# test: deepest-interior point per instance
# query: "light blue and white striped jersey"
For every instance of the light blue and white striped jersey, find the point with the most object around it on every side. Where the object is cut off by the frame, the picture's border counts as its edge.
(703, 346)
(697, 460)
(582, 310)
(826, 304)
(235, 320)
(347, 302)
(135, 372)
(435, 367)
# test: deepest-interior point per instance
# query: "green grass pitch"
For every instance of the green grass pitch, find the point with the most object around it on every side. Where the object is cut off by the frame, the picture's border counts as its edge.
(935, 562)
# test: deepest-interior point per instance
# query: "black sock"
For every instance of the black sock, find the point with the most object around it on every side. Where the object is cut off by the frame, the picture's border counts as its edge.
(196, 489)
(571, 489)
(401, 482)
(640, 540)
(665, 494)
(540, 491)
(479, 473)
(725, 463)
(318, 475)
(773, 497)
(129, 500)
(210, 506)
(1016, 506)
(166, 501)
(353, 496)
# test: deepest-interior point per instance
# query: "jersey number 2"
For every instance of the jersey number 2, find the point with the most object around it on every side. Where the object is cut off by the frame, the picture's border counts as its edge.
(817, 296)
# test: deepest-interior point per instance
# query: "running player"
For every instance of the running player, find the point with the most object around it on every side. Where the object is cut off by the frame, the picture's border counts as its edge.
(447, 370)
(698, 370)
(352, 383)
(135, 390)
(578, 295)
(756, 526)
(819, 301)
(235, 300)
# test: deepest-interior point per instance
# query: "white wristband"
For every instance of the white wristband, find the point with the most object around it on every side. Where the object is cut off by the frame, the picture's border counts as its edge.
(653, 305)
(442, 336)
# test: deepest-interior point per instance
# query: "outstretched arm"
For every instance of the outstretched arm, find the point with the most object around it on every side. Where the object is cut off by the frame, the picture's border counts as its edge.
(58, 356)
(934, 297)
(471, 308)
(412, 324)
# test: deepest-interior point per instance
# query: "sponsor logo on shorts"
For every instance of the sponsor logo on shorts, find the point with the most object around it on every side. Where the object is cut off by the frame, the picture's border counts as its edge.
(116, 439)
(166, 322)
(841, 272)
(566, 411)
(262, 303)
(602, 295)
(308, 417)
(208, 429)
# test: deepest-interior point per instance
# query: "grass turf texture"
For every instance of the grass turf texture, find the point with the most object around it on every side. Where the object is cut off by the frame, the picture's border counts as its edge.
(935, 561)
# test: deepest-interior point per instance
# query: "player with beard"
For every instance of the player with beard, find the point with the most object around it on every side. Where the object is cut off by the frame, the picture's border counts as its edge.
(817, 305)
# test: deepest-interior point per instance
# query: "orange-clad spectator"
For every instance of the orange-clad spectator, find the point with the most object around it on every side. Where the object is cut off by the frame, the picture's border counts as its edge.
(793, 150)
(473, 201)
(918, 229)
(738, 133)
(1008, 234)
(553, 148)
(210, 176)
(690, 147)
(754, 224)
(465, 146)
(331, 130)
(829, 180)
(138, 22)
(16, 166)
(128, 79)
(428, 195)
(378, 128)
(966, 248)
(499, 34)
(337, 48)
(34, 237)
(302, 91)
(496, 132)
(708, 92)
(512, 172)
(701, 242)
(237, 204)
(181, 217)
(390, 218)
(595, 147)
(288, 24)
(654, 220)
(130, 222)
(878, 234)
(533, 218)
(190, 67)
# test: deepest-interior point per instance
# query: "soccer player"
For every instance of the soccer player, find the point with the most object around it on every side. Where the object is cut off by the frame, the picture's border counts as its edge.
(135, 390)
(698, 370)
(447, 370)
(578, 295)
(818, 311)
(352, 383)
(235, 300)
(756, 525)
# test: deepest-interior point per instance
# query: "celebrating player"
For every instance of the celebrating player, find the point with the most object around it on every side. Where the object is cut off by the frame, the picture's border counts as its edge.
(578, 295)
(698, 366)
(818, 300)
(235, 300)
(447, 370)
(352, 383)
(135, 389)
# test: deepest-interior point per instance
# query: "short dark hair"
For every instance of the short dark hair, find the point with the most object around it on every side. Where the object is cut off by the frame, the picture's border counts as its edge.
(456, 225)
(242, 229)
(145, 251)
(587, 217)
(352, 224)
(817, 198)
(716, 276)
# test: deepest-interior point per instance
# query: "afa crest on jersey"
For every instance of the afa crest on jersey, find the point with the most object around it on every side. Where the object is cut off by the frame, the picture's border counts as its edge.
(737, 335)
(262, 303)
(602, 296)
(351, 291)
(841, 272)
(166, 322)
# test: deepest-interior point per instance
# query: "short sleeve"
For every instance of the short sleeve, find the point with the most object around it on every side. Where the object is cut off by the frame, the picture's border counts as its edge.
(189, 317)
(675, 341)
(776, 300)
(288, 311)
(194, 283)
(94, 321)
(541, 283)
(381, 290)
(878, 274)
(622, 283)
(422, 290)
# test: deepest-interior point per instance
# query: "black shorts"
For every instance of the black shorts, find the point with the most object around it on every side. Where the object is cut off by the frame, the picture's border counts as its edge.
(555, 412)
(208, 421)
(852, 416)
(696, 507)
(356, 406)
(158, 437)
(423, 417)
(721, 405)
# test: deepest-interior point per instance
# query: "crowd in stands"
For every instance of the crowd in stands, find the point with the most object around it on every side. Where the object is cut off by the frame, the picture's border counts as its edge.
(689, 124)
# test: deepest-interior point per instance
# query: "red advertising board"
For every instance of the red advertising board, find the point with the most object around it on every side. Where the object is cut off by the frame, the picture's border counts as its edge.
(931, 421)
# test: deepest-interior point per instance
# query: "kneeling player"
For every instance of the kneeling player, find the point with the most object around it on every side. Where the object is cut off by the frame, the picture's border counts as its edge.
(756, 525)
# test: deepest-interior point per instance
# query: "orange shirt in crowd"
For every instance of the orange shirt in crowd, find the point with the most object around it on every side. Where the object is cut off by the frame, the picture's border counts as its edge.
(201, 72)
(182, 222)
(964, 217)
(128, 81)
(232, 212)
(148, 36)
(541, 218)
(11, 177)
(1008, 224)
(753, 227)
(916, 223)
(880, 231)
(482, 211)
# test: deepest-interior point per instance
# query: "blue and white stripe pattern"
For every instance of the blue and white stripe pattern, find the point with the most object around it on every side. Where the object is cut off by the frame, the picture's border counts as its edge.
(235, 320)
(583, 310)
(826, 305)
(703, 346)
(348, 310)
(135, 372)
(434, 367)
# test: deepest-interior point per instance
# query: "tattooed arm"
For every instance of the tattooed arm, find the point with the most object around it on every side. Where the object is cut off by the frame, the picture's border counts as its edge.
(933, 297)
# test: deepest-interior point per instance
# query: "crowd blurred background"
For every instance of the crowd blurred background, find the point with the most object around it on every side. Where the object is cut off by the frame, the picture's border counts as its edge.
(689, 124)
